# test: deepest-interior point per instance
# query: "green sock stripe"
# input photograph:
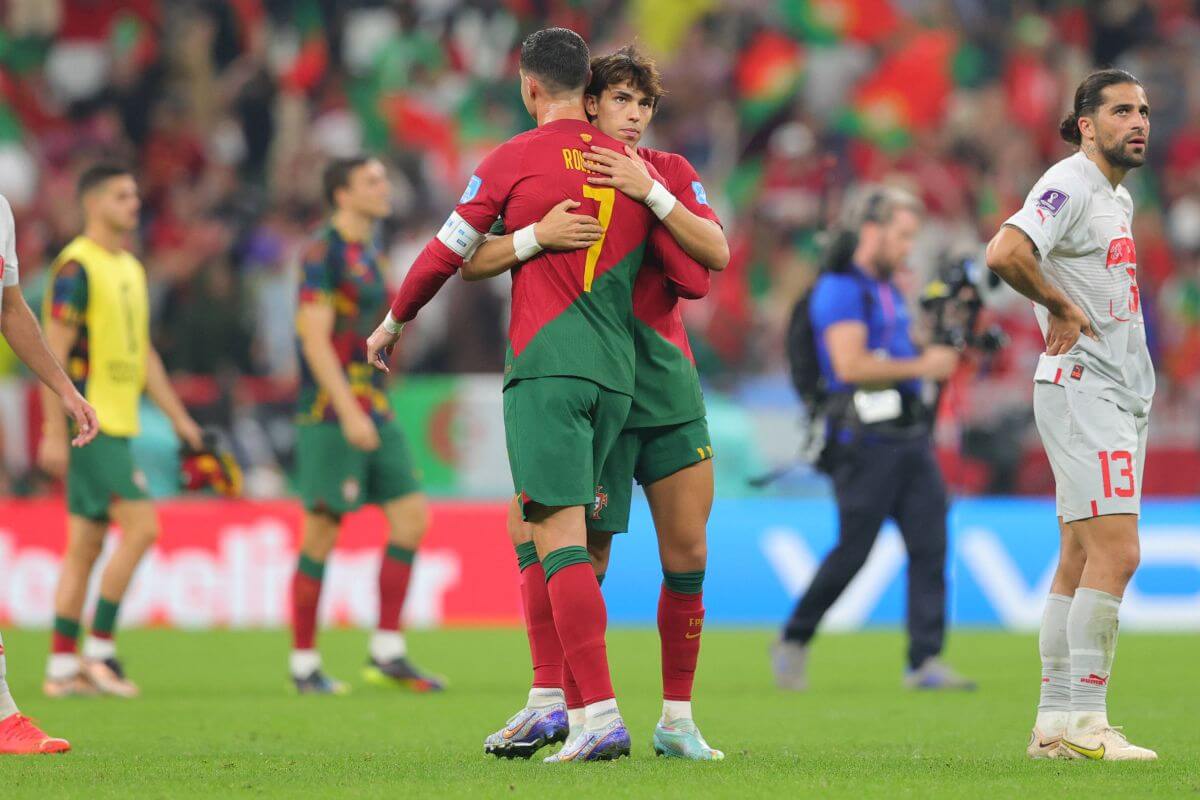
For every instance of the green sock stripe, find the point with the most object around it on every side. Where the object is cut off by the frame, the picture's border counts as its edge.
(564, 557)
(684, 582)
(600, 579)
(398, 553)
(311, 568)
(106, 616)
(526, 555)
(66, 627)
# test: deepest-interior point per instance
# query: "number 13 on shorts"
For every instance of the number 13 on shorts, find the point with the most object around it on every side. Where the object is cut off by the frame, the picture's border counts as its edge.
(1117, 472)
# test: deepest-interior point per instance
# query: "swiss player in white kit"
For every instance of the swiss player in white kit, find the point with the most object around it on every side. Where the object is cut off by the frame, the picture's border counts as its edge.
(18, 734)
(1070, 250)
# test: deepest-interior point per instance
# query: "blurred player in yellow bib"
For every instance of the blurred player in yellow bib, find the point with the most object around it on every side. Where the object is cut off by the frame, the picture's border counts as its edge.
(97, 320)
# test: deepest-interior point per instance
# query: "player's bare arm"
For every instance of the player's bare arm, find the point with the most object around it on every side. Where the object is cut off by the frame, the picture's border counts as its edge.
(702, 239)
(1012, 256)
(560, 229)
(22, 332)
(315, 322)
(158, 386)
(52, 455)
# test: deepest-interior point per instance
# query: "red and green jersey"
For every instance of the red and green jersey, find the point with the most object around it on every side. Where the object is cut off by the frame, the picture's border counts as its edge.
(348, 276)
(667, 386)
(68, 303)
(572, 312)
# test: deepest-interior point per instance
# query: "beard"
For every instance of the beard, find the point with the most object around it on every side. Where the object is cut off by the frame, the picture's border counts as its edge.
(1119, 154)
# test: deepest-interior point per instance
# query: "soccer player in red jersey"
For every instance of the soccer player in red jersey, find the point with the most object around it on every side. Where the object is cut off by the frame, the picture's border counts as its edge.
(569, 371)
(665, 443)
(18, 734)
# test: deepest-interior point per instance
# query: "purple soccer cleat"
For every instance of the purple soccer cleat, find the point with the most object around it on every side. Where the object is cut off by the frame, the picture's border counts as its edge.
(528, 731)
(607, 744)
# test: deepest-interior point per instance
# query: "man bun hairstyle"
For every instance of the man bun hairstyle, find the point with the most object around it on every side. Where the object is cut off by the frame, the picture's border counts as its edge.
(557, 57)
(97, 174)
(337, 175)
(627, 65)
(1089, 96)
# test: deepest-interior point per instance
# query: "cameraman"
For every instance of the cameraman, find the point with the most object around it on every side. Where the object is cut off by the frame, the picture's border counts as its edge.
(878, 450)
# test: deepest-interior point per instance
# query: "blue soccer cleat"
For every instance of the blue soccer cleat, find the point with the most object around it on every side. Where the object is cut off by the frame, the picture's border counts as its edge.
(936, 675)
(318, 682)
(682, 739)
(607, 744)
(528, 731)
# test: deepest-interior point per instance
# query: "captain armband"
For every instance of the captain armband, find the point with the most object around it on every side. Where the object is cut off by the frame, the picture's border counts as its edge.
(459, 236)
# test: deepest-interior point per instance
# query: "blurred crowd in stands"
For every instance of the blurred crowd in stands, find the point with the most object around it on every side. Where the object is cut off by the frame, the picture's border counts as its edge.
(227, 110)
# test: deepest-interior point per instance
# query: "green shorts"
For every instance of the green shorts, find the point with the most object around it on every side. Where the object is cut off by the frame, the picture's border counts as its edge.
(647, 455)
(336, 478)
(559, 431)
(101, 472)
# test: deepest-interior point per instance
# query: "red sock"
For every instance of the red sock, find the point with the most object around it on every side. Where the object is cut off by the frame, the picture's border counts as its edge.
(570, 688)
(544, 648)
(580, 617)
(306, 594)
(63, 644)
(394, 573)
(680, 621)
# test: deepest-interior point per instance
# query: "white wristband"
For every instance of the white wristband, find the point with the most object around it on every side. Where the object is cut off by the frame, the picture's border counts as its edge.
(391, 326)
(660, 200)
(525, 244)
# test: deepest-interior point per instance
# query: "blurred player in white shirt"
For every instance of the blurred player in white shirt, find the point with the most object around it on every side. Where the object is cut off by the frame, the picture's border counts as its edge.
(18, 734)
(1070, 250)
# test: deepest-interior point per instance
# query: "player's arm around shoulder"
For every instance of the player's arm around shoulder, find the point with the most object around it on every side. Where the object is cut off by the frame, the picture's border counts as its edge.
(560, 229)
(664, 188)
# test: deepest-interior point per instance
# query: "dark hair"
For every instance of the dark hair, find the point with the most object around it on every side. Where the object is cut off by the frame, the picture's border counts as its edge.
(557, 57)
(627, 65)
(1089, 97)
(337, 175)
(97, 174)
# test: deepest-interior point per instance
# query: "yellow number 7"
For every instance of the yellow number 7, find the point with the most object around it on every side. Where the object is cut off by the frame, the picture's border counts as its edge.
(605, 196)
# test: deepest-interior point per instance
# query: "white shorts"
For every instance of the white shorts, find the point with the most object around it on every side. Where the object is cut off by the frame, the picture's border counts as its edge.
(1096, 449)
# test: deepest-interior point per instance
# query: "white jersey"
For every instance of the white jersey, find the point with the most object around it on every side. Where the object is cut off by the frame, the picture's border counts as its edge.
(1083, 231)
(8, 244)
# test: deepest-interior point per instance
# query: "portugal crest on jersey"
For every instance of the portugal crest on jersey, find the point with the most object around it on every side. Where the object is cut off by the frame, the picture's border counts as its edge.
(601, 501)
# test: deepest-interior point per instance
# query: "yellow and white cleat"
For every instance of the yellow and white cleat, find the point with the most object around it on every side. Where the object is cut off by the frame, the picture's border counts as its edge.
(1043, 745)
(1104, 743)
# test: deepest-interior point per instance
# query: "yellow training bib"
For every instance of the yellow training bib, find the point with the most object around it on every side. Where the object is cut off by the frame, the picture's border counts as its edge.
(118, 332)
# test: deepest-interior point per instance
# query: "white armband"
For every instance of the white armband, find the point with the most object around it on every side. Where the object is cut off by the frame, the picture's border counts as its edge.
(525, 243)
(660, 200)
(391, 326)
(459, 236)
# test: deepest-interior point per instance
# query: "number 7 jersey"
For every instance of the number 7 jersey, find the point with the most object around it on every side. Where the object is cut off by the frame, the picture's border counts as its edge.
(572, 311)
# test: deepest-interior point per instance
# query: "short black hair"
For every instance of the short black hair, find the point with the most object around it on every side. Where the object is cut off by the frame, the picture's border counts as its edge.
(557, 57)
(97, 174)
(1089, 96)
(337, 175)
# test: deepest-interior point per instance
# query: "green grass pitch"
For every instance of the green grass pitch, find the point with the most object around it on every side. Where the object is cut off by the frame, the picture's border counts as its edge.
(217, 720)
